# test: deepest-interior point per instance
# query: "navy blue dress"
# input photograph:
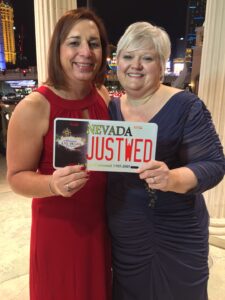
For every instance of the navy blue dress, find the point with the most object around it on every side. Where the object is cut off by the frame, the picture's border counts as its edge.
(160, 252)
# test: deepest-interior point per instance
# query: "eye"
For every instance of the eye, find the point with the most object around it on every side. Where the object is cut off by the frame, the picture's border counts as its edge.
(147, 58)
(74, 43)
(95, 44)
(127, 56)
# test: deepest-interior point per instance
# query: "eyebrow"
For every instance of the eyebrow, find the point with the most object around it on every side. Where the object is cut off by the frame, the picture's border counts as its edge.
(78, 37)
(145, 51)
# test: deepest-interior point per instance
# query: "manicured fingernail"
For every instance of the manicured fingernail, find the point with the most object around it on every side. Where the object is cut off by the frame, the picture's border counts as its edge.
(82, 168)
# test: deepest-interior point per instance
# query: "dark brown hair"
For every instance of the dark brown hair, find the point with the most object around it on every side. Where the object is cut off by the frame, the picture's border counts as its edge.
(56, 76)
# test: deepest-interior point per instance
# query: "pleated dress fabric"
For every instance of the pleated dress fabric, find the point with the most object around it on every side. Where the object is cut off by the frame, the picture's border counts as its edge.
(160, 251)
(70, 256)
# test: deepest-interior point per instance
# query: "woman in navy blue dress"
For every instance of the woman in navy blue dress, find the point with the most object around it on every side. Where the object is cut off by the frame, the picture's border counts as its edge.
(157, 216)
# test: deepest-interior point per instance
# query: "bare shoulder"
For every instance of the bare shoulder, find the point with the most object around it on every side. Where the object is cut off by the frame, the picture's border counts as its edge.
(33, 103)
(33, 109)
(102, 90)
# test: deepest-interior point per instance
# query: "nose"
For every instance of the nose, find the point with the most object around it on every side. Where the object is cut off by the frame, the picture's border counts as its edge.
(85, 49)
(136, 64)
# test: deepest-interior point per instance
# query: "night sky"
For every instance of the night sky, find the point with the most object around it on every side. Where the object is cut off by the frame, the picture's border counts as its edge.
(24, 21)
(116, 14)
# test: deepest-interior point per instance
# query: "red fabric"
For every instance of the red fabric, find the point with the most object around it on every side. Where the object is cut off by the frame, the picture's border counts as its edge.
(70, 255)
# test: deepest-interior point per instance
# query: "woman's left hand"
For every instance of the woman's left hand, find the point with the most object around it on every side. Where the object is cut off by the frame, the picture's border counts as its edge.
(156, 174)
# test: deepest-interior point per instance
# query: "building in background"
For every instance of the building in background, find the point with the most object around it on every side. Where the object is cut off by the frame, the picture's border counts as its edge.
(189, 50)
(2, 52)
(195, 18)
(196, 59)
(7, 29)
(178, 61)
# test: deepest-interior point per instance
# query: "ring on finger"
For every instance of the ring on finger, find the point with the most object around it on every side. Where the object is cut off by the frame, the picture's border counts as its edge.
(68, 188)
(153, 179)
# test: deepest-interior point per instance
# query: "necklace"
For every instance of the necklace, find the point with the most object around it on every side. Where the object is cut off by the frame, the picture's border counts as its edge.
(144, 100)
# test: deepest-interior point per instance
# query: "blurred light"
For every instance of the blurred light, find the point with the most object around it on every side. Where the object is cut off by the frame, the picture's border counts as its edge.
(7, 116)
(178, 67)
(168, 67)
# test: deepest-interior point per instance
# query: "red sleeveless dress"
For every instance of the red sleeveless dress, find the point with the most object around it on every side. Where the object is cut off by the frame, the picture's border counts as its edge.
(70, 256)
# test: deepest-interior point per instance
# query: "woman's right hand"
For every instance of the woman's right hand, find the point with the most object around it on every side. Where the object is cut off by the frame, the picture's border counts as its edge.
(68, 180)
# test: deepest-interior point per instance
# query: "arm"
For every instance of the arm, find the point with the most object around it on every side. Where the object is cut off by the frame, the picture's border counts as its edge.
(202, 151)
(27, 127)
(201, 156)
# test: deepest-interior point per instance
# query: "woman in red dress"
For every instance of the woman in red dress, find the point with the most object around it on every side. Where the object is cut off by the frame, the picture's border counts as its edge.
(70, 246)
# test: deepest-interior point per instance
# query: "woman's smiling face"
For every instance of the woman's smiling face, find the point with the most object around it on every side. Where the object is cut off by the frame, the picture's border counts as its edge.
(139, 70)
(81, 52)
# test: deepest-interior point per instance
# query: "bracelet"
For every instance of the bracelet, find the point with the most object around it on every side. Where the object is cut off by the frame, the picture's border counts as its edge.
(50, 188)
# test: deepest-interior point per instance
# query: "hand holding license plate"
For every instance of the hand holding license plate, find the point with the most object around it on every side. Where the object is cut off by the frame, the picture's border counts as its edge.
(101, 145)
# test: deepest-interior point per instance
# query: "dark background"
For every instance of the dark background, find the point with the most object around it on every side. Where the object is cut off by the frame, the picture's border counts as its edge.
(116, 14)
(24, 21)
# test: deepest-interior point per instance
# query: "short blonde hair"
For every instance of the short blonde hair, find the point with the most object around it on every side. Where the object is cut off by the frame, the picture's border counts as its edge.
(142, 34)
